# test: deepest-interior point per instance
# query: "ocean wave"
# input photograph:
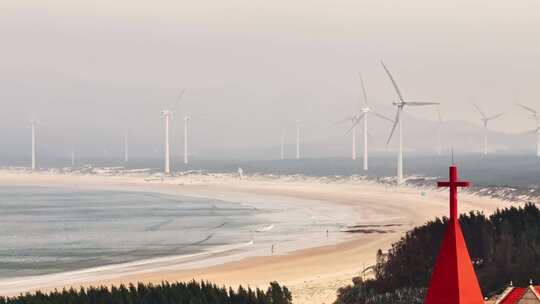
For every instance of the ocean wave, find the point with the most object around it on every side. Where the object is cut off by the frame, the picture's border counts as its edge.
(206, 239)
(112, 270)
(219, 226)
(158, 226)
(265, 228)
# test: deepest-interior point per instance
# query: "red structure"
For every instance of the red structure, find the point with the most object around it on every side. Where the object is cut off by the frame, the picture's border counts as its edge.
(453, 280)
(519, 295)
(514, 296)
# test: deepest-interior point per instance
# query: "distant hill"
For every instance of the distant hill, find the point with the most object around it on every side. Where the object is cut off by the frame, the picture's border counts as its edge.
(319, 139)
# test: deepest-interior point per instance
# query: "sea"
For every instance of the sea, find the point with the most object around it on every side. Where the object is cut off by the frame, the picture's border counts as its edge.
(53, 229)
(46, 230)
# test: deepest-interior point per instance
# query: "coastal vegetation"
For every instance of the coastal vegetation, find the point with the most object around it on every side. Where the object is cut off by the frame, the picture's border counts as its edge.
(503, 247)
(164, 293)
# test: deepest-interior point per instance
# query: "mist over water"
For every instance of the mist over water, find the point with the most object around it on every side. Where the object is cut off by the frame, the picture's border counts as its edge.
(517, 170)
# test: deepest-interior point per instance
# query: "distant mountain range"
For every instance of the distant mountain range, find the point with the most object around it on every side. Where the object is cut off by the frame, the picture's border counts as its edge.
(319, 140)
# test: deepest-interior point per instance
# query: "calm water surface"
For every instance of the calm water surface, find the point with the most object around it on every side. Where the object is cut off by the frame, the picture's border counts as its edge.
(45, 230)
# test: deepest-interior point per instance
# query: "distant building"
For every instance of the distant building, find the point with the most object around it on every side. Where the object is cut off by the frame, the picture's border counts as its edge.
(520, 295)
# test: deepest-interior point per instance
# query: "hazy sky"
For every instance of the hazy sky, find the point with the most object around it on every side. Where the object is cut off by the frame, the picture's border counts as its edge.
(89, 69)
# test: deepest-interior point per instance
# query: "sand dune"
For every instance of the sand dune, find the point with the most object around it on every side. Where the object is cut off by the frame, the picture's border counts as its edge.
(314, 274)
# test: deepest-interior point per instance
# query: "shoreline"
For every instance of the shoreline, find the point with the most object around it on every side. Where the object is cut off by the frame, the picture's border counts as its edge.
(313, 273)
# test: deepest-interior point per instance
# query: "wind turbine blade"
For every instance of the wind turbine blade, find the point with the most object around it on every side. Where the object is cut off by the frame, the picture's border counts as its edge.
(419, 103)
(395, 125)
(479, 110)
(495, 116)
(393, 81)
(439, 115)
(526, 108)
(363, 88)
(181, 94)
(355, 123)
(201, 117)
(344, 120)
(381, 116)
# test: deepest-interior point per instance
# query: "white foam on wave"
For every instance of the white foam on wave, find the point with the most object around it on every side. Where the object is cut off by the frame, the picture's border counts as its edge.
(265, 228)
(9, 285)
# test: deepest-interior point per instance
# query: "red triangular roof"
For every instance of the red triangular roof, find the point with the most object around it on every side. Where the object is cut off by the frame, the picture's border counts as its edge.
(453, 280)
(515, 294)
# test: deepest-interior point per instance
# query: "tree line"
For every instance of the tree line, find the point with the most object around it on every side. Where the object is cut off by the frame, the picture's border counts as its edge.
(503, 247)
(165, 293)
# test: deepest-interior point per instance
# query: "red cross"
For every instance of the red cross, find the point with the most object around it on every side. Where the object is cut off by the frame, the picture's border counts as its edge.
(453, 184)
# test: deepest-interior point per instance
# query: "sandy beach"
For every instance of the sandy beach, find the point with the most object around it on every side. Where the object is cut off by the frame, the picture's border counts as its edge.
(313, 273)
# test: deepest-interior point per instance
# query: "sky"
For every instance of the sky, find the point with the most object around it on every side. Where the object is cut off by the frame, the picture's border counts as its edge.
(90, 70)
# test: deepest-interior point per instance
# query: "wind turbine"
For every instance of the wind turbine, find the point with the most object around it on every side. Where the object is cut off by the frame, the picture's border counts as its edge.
(186, 125)
(485, 119)
(167, 114)
(72, 157)
(297, 139)
(354, 120)
(400, 105)
(33, 124)
(363, 116)
(126, 147)
(534, 115)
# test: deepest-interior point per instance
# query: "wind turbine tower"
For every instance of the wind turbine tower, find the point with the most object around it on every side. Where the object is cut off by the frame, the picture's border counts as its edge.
(534, 115)
(72, 157)
(33, 124)
(167, 114)
(365, 109)
(186, 125)
(126, 147)
(400, 105)
(485, 120)
(355, 120)
(363, 116)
